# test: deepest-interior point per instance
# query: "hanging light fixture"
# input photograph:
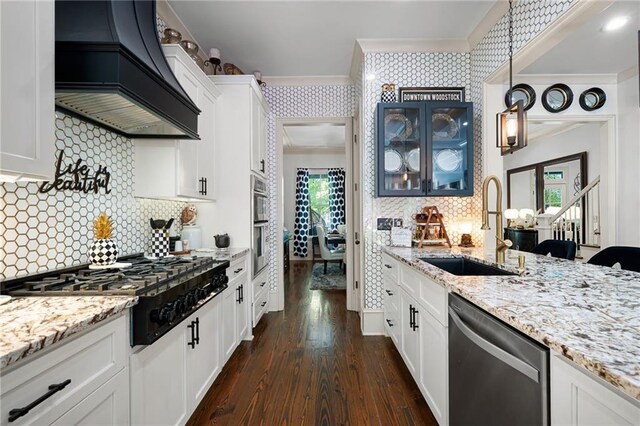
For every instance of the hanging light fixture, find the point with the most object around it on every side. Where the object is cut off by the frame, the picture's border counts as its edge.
(512, 122)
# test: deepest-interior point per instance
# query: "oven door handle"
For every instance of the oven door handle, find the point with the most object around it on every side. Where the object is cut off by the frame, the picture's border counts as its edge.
(492, 349)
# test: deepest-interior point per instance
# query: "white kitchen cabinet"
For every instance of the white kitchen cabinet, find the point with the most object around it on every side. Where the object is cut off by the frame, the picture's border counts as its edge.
(409, 342)
(410, 296)
(170, 377)
(229, 308)
(242, 313)
(182, 169)
(203, 358)
(108, 405)
(258, 136)
(578, 398)
(27, 74)
(259, 296)
(159, 380)
(434, 364)
(85, 367)
(235, 309)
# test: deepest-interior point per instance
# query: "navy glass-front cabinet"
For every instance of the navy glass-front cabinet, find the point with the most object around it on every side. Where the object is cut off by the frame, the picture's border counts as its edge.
(424, 149)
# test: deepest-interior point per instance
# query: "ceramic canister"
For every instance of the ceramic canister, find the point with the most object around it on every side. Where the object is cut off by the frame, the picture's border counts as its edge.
(159, 242)
(193, 235)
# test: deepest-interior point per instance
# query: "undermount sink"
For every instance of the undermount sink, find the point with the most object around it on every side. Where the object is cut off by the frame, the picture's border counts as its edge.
(464, 267)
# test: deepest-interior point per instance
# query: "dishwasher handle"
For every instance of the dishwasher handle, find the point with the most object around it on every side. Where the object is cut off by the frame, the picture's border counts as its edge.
(498, 353)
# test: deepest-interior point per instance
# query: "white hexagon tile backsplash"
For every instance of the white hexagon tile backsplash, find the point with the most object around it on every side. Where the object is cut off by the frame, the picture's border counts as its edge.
(40, 231)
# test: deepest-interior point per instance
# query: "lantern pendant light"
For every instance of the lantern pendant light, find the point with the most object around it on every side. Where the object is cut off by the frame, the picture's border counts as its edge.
(512, 122)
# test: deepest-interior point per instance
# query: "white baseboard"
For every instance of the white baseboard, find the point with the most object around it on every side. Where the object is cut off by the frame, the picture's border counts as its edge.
(273, 301)
(372, 322)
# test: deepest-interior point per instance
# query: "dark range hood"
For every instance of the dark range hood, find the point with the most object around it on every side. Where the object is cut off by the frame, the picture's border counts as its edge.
(110, 70)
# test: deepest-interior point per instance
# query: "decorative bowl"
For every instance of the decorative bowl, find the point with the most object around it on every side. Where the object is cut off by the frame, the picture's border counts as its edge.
(171, 36)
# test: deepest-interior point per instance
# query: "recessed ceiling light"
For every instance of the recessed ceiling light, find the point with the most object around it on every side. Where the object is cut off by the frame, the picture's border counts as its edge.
(370, 77)
(616, 23)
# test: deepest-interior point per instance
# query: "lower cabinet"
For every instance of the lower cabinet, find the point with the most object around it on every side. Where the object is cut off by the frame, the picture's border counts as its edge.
(235, 311)
(108, 405)
(85, 377)
(420, 337)
(578, 399)
(434, 365)
(170, 377)
(229, 336)
(259, 296)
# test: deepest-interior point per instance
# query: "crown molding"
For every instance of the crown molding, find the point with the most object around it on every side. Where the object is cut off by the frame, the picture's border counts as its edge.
(627, 74)
(566, 78)
(490, 19)
(412, 45)
(320, 80)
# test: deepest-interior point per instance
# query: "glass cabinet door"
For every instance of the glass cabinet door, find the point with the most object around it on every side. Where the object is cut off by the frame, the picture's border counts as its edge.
(401, 149)
(450, 148)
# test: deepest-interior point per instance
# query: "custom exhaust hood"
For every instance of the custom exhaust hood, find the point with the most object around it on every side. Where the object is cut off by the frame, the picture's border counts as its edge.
(110, 69)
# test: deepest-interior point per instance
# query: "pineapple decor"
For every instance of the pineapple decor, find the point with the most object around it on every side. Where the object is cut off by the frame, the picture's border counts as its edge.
(103, 249)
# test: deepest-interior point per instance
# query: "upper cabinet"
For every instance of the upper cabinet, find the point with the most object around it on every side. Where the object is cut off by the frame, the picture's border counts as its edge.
(424, 149)
(244, 119)
(182, 169)
(27, 84)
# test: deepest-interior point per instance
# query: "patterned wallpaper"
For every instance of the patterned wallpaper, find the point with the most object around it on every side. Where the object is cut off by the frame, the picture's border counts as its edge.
(445, 69)
(296, 102)
(40, 231)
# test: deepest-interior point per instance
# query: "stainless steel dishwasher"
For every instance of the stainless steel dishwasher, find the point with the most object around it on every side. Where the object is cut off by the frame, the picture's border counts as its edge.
(497, 376)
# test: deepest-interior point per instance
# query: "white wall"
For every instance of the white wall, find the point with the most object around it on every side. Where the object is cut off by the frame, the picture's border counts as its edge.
(628, 194)
(291, 163)
(586, 137)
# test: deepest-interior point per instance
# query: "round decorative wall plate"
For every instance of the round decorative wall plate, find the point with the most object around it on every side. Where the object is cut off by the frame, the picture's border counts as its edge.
(397, 126)
(448, 160)
(521, 92)
(413, 160)
(592, 99)
(557, 98)
(444, 127)
(392, 160)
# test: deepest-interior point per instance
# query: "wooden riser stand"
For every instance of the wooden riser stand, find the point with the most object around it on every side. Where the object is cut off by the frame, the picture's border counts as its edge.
(434, 218)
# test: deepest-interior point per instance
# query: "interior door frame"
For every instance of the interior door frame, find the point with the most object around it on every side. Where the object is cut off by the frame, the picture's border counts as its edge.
(300, 121)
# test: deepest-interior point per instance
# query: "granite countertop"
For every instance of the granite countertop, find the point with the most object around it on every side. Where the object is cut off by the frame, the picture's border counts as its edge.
(30, 324)
(587, 313)
(234, 252)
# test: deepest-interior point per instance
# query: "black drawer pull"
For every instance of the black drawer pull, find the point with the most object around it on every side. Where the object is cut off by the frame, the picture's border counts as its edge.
(263, 304)
(193, 342)
(16, 413)
(415, 320)
(390, 323)
(197, 339)
(389, 292)
(388, 266)
(263, 283)
(238, 270)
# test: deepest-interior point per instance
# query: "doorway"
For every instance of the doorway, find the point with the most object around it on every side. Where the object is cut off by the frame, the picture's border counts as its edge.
(312, 152)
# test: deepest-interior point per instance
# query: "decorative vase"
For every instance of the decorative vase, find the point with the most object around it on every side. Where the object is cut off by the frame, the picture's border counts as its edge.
(103, 251)
(160, 243)
(388, 93)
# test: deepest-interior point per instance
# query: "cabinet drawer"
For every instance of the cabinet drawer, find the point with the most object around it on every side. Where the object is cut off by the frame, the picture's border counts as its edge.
(260, 305)
(433, 297)
(410, 280)
(237, 268)
(390, 267)
(87, 362)
(260, 284)
(391, 295)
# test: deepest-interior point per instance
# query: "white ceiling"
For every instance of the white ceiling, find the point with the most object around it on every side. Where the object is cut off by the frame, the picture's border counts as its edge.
(314, 136)
(316, 38)
(590, 50)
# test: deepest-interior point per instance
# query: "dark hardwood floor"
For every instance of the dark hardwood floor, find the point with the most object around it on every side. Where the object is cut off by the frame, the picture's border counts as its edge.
(311, 365)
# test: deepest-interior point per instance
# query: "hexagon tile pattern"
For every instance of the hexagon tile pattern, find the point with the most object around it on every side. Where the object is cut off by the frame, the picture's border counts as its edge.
(53, 230)
(295, 102)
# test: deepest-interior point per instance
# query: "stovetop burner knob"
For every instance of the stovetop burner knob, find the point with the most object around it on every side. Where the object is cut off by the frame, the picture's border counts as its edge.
(191, 299)
(168, 313)
(201, 293)
(180, 306)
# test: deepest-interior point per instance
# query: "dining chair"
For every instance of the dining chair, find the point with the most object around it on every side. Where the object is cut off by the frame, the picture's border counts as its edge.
(627, 257)
(561, 249)
(326, 253)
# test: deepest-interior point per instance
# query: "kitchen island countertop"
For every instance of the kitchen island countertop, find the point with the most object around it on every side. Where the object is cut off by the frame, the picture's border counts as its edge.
(588, 314)
(31, 324)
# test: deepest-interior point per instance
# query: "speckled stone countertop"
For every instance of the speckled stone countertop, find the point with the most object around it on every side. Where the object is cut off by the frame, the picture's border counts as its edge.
(30, 324)
(587, 313)
(234, 252)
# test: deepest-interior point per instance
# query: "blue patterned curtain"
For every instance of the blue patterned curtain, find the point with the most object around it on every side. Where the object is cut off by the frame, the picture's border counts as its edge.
(336, 198)
(301, 225)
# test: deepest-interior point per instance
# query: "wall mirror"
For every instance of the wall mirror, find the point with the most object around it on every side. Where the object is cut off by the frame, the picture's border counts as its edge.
(557, 98)
(548, 185)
